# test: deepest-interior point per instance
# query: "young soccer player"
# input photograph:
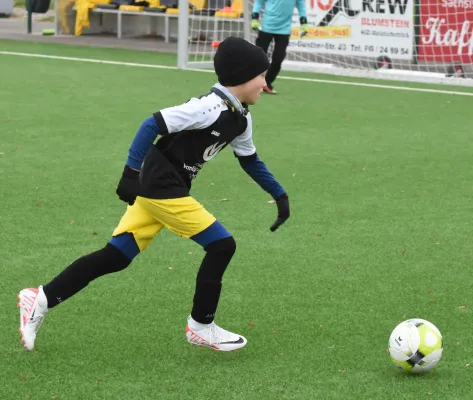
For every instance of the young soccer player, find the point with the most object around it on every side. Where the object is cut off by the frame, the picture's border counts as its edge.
(156, 182)
(276, 24)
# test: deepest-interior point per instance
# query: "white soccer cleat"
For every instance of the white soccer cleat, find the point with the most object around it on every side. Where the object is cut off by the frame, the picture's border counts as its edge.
(33, 306)
(211, 335)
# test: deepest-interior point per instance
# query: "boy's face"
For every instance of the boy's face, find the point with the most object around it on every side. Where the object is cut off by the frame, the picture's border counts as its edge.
(251, 90)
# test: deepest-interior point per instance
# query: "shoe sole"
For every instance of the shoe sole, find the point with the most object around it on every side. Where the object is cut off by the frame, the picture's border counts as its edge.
(214, 347)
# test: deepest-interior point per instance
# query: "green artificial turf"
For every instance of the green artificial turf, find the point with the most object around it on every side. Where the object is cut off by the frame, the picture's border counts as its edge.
(380, 231)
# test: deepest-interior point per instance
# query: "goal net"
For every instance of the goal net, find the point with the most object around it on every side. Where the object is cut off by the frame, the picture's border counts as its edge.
(427, 41)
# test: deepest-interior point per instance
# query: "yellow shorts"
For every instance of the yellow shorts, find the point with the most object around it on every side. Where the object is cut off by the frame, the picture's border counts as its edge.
(184, 216)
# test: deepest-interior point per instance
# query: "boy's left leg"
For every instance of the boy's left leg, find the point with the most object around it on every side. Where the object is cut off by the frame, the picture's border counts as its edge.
(201, 329)
(279, 54)
(189, 219)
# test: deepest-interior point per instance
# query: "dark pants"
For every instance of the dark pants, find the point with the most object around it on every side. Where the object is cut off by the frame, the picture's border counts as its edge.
(279, 53)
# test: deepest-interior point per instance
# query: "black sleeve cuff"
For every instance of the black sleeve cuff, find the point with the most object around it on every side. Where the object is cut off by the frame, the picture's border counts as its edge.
(162, 127)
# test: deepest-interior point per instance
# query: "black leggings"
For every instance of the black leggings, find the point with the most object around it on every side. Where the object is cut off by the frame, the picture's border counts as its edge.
(109, 259)
(279, 53)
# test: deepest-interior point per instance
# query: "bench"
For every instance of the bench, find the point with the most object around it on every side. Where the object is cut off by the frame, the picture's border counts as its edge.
(210, 15)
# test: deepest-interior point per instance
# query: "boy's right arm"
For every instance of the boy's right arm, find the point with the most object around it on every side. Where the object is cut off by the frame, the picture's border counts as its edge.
(257, 6)
(129, 184)
(195, 114)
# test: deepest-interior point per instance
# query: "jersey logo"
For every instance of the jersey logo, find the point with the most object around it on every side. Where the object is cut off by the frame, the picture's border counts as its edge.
(211, 151)
(215, 133)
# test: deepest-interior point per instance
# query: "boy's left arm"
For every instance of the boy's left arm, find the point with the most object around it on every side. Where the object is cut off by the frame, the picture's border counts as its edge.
(245, 150)
(300, 4)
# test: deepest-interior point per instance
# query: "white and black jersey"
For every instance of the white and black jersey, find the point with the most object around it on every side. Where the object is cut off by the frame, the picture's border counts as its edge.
(192, 134)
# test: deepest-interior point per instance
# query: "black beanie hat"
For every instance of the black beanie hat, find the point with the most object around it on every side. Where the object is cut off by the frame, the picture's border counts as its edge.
(238, 61)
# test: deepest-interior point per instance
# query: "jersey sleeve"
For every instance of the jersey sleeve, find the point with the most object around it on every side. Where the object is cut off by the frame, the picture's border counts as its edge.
(243, 145)
(301, 8)
(257, 6)
(194, 114)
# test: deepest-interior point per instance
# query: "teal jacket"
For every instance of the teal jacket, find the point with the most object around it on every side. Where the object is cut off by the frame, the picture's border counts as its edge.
(278, 14)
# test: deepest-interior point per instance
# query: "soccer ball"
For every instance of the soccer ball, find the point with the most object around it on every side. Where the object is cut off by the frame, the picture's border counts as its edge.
(416, 346)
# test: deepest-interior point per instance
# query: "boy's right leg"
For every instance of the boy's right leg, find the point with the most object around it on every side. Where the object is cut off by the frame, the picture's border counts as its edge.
(133, 234)
(264, 40)
(279, 54)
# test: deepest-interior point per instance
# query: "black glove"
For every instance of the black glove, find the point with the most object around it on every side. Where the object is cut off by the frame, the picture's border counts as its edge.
(129, 185)
(283, 211)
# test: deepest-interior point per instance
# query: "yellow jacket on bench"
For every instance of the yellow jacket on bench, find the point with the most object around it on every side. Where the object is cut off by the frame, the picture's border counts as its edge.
(82, 16)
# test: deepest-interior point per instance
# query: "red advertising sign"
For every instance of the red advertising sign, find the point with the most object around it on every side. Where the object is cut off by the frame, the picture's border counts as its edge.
(446, 31)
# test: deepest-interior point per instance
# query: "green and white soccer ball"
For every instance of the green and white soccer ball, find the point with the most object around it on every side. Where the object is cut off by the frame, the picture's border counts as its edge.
(416, 346)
